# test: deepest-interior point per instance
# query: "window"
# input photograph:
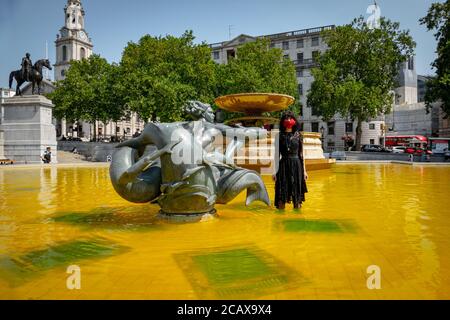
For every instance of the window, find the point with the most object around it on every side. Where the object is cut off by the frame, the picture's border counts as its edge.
(216, 55)
(372, 141)
(286, 56)
(82, 53)
(315, 41)
(63, 73)
(314, 110)
(411, 63)
(300, 56)
(300, 43)
(315, 127)
(128, 130)
(231, 54)
(372, 126)
(300, 89)
(315, 55)
(117, 129)
(331, 128)
(349, 127)
(300, 73)
(64, 53)
(285, 45)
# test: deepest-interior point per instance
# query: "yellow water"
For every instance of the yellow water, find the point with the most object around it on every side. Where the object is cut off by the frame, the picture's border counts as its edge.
(393, 216)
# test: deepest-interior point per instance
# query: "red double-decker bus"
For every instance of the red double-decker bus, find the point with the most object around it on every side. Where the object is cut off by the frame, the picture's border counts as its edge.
(413, 144)
(407, 141)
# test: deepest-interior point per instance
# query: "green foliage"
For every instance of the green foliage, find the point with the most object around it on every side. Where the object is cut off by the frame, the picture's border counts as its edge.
(88, 92)
(258, 68)
(356, 76)
(439, 87)
(160, 74)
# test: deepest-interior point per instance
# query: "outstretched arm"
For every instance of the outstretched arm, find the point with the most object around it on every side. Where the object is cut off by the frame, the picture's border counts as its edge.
(144, 163)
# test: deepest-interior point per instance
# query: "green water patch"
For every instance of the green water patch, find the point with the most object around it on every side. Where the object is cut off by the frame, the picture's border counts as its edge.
(19, 269)
(318, 225)
(129, 218)
(237, 272)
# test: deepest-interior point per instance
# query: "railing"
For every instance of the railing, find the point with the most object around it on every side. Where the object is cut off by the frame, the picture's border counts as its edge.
(302, 32)
(306, 63)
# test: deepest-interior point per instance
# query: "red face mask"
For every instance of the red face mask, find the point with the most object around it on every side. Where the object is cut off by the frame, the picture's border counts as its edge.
(289, 123)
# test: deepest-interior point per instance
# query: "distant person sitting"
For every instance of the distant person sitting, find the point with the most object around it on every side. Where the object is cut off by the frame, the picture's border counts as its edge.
(47, 157)
(136, 134)
(75, 150)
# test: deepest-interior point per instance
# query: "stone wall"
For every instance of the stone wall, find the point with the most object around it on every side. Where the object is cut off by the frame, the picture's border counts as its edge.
(92, 151)
(382, 156)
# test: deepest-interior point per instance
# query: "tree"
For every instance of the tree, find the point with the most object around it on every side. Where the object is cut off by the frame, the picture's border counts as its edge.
(357, 75)
(258, 68)
(439, 87)
(88, 93)
(160, 74)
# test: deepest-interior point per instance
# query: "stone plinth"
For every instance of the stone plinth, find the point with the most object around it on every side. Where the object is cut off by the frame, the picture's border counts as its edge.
(260, 157)
(2, 151)
(28, 129)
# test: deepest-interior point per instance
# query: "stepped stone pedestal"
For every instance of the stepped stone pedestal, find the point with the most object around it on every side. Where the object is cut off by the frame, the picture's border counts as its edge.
(28, 129)
(260, 156)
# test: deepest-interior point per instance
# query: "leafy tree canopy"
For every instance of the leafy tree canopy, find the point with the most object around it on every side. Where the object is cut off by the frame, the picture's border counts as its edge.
(258, 68)
(439, 87)
(88, 92)
(356, 76)
(160, 74)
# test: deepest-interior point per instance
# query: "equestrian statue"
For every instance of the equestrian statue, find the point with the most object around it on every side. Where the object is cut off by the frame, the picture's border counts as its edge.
(29, 73)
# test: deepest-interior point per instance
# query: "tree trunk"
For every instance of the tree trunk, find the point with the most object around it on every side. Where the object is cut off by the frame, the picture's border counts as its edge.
(95, 131)
(358, 135)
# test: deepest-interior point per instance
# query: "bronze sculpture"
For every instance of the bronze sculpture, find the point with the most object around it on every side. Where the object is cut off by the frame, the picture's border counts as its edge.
(29, 73)
(26, 67)
(184, 188)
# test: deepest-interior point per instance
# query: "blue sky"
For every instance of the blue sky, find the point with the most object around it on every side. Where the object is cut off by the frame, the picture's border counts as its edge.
(26, 25)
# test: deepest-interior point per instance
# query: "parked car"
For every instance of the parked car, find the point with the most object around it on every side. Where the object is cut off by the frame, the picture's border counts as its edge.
(398, 149)
(338, 155)
(417, 151)
(373, 148)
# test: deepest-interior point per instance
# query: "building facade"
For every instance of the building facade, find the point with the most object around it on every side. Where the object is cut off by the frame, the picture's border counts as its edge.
(302, 47)
(73, 43)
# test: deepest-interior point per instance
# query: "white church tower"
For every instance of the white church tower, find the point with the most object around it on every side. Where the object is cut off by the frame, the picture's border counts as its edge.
(73, 42)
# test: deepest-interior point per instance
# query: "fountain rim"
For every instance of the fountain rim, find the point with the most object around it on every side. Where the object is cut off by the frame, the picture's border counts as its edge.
(291, 100)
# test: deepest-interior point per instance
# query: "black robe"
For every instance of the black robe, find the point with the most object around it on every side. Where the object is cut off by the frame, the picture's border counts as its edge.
(290, 185)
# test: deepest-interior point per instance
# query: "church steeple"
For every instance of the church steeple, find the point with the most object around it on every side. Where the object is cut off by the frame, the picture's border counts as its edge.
(73, 42)
(74, 14)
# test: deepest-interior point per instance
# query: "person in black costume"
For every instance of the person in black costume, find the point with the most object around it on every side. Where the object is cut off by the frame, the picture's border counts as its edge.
(290, 179)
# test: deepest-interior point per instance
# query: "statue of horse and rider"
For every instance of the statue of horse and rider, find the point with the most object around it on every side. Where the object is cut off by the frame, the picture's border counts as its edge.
(29, 73)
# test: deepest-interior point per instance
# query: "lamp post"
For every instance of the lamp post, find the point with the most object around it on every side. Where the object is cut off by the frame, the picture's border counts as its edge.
(322, 131)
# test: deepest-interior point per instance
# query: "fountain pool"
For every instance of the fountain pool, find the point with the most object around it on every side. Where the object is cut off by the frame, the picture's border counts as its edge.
(355, 216)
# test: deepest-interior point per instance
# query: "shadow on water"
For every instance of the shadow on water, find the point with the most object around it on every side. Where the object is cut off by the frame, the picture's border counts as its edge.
(136, 218)
(316, 225)
(18, 269)
(237, 272)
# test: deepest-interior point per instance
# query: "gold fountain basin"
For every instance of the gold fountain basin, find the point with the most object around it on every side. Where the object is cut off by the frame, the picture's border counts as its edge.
(254, 103)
